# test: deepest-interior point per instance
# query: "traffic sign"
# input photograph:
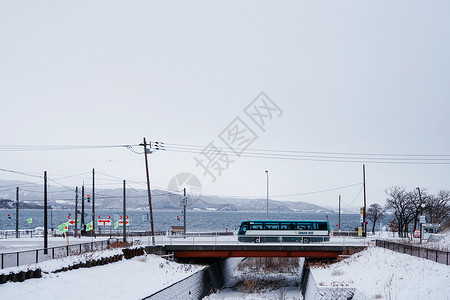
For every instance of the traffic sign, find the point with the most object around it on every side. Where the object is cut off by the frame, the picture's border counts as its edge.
(104, 222)
(72, 222)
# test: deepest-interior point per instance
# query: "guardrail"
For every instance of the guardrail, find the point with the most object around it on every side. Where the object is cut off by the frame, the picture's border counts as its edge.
(14, 259)
(217, 239)
(423, 252)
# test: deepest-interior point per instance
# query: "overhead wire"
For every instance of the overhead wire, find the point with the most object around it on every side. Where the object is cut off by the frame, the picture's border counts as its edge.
(317, 155)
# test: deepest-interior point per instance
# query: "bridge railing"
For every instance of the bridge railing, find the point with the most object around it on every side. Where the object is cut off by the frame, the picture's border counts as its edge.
(435, 255)
(233, 240)
(19, 258)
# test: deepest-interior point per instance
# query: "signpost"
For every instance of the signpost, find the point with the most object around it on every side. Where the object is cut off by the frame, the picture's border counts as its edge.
(421, 221)
(63, 228)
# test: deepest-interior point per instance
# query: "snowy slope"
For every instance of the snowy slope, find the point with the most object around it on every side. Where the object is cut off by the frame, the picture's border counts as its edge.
(127, 279)
(383, 274)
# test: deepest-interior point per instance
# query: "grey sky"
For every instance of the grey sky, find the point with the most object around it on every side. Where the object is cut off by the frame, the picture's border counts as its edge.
(349, 76)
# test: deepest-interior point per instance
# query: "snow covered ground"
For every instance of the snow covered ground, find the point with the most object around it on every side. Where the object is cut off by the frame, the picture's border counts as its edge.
(379, 273)
(127, 279)
(255, 282)
(383, 274)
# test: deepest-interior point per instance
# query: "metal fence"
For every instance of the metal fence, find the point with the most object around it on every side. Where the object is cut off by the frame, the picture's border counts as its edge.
(14, 259)
(423, 252)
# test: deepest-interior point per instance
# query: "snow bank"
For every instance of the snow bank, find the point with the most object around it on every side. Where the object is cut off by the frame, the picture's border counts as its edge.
(127, 279)
(383, 274)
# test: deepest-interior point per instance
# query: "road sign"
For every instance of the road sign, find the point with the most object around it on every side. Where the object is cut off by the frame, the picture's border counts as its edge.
(63, 227)
(104, 222)
(72, 222)
(90, 226)
(422, 219)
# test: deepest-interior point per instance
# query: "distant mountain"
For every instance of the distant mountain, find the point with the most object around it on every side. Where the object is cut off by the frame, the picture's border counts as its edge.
(64, 198)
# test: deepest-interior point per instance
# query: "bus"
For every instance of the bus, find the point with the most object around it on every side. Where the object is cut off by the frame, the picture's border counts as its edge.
(269, 231)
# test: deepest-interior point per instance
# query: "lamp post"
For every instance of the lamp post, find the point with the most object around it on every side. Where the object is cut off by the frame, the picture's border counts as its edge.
(267, 194)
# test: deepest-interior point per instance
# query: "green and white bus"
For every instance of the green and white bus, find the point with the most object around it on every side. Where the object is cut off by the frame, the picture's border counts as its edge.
(270, 231)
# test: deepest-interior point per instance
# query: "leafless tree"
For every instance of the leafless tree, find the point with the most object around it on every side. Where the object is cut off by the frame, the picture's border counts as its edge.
(375, 213)
(408, 206)
(417, 203)
(437, 207)
(399, 201)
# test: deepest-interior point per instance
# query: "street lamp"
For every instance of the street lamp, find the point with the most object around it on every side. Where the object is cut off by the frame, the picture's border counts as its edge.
(267, 194)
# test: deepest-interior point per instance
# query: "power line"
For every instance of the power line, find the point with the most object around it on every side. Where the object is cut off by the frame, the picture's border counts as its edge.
(21, 173)
(317, 192)
(199, 147)
(359, 193)
(374, 160)
(58, 147)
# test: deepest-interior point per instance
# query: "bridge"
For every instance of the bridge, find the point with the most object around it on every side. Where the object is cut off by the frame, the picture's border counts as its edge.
(259, 250)
(229, 246)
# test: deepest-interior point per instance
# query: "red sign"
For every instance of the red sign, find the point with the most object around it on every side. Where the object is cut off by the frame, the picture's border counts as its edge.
(104, 222)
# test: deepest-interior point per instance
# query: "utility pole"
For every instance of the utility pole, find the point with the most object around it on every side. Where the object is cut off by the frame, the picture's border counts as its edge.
(82, 231)
(184, 212)
(17, 213)
(76, 212)
(339, 213)
(93, 202)
(124, 214)
(149, 193)
(364, 212)
(267, 193)
(420, 199)
(45, 214)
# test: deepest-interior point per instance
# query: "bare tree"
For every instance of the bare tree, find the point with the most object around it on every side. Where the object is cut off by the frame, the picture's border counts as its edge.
(399, 201)
(408, 206)
(375, 213)
(437, 207)
(417, 203)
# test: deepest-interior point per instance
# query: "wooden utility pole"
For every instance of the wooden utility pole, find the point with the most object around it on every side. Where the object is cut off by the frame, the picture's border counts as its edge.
(82, 231)
(93, 202)
(45, 215)
(149, 193)
(364, 211)
(17, 213)
(124, 214)
(184, 211)
(76, 212)
(339, 213)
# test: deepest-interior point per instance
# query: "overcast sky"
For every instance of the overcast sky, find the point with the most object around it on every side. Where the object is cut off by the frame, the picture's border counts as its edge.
(341, 77)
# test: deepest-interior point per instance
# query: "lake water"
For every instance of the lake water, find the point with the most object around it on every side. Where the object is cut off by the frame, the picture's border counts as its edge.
(197, 221)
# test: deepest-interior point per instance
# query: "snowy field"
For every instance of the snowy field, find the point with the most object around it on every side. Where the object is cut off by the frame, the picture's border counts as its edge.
(378, 273)
(135, 278)
(383, 274)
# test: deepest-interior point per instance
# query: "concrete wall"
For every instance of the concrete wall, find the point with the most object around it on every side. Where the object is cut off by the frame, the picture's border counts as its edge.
(198, 285)
(314, 292)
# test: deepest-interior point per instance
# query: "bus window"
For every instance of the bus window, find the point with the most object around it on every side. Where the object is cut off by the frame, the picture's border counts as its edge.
(287, 226)
(256, 226)
(271, 226)
(304, 226)
(243, 229)
(323, 226)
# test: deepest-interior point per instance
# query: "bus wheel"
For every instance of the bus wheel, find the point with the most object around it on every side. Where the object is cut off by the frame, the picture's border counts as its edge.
(306, 240)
